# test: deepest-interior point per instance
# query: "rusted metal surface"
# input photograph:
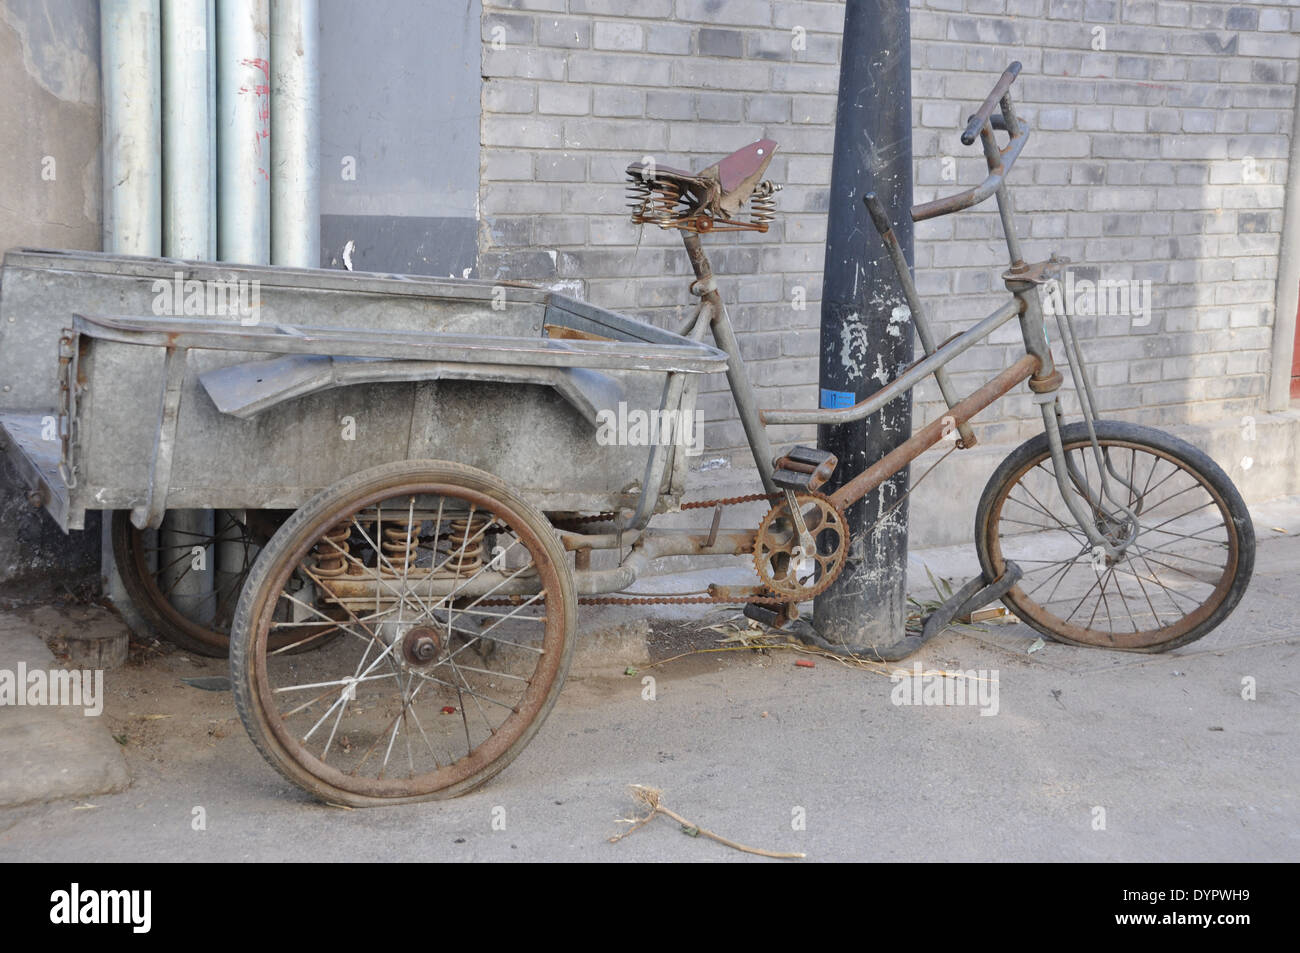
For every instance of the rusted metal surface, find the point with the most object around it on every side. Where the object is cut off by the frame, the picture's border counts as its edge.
(804, 468)
(920, 321)
(1000, 161)
(903, 382)
(708, 200)
(337, 767)
(1046, 384)
(1036, 273)
(932, 433)
(1040, 615)
(779, 550)
(985, 112)
(146, 432)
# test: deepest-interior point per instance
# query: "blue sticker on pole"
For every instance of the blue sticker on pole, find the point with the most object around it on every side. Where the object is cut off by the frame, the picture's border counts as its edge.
(837, 398)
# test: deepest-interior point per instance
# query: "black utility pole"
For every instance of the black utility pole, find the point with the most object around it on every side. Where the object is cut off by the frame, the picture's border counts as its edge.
(865, 339)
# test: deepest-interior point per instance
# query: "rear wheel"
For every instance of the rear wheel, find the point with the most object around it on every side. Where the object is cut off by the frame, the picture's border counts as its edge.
(184, 579)
(1184, 571)
(454, 610)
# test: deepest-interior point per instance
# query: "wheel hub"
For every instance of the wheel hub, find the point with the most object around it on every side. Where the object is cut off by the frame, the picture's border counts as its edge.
(421, 645)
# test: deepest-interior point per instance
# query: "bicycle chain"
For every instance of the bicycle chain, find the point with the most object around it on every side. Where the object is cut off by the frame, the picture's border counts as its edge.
(728, 599)
(696, 505)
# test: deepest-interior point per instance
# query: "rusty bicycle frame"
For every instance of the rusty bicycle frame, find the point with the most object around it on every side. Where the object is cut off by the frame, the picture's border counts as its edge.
(1036, 366)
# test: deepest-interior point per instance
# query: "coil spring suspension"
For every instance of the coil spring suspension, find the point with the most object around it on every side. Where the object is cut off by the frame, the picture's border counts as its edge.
(653, 202)
(401, 547)
(332, 552)
(462, 547)
(762, 205)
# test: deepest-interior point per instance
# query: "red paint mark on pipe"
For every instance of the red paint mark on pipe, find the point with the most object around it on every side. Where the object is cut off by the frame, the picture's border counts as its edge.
(263, 93)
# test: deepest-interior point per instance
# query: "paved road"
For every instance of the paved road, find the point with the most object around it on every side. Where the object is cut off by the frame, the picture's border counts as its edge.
(1183, 767)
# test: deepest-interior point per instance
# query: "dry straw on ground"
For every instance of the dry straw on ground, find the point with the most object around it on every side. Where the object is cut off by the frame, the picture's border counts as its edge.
(652, 798)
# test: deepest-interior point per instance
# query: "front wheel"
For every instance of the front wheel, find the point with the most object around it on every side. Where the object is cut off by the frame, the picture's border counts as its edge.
(1186, 568)
(454, 611)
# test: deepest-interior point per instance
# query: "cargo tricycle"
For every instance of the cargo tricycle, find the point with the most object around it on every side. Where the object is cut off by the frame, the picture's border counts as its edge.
(387, 496)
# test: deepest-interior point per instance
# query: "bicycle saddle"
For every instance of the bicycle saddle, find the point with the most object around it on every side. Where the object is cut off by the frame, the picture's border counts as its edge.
(709, 199)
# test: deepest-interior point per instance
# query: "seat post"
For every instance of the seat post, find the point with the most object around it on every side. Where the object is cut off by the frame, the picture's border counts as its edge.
(742, 391)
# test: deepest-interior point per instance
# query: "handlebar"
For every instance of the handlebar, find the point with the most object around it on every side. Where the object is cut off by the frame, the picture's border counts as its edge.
(999, 161)
(976, 122)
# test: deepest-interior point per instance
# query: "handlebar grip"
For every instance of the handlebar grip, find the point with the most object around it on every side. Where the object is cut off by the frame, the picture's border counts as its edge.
(878, 214)
(1000, 88)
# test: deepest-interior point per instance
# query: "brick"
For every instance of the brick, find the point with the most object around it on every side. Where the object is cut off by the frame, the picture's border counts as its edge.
(1139, 11)
(770, 45)
(608, 35)
(618, 101)
(553, 230)
(705, 75)
(973, 30)
(1106, 11)
(505, 96)
(1274, 21)
(643, 9)
(668, 38)
(813, 17)
(1058, 118)
(505, 166)
(626, 69)
(507, 29)
(547, 6)
(801, 78)
(724, 106)
(670, 104)
(521, 197)
(1242, 18)
(943, 115)
(715, 42)
(1282, 46)
(737, 12)
(771, 107)
(630, 134)
(522, 63)
(1172, 14)
(512, 232)
(561, 167)
(563, 31)
(520, 133)
(563, 100)
(812, 109)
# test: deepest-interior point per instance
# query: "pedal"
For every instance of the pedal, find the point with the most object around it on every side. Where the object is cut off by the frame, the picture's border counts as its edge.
(770, 616)
(803, 469)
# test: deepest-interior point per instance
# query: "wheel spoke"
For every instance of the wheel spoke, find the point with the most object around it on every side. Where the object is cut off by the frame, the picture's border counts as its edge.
(1169, 565)
(444, 587)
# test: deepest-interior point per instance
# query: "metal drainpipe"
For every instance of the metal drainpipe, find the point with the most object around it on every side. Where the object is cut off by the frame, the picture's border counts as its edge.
(243, 196)
(243, 131)
(295, 146)
(187, 205)
(129, 54)
(130, 68)
(186, 130)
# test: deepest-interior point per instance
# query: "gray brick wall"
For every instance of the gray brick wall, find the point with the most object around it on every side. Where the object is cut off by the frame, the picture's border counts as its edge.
(1158, 154)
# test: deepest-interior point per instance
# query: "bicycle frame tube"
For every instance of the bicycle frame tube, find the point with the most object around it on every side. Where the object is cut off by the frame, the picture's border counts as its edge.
(657, 461)
(742, 391)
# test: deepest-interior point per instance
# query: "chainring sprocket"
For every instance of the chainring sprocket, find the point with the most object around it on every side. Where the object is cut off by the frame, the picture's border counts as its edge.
(782, 566)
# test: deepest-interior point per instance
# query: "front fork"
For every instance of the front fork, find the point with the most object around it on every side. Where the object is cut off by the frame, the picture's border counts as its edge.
(1084, 503)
